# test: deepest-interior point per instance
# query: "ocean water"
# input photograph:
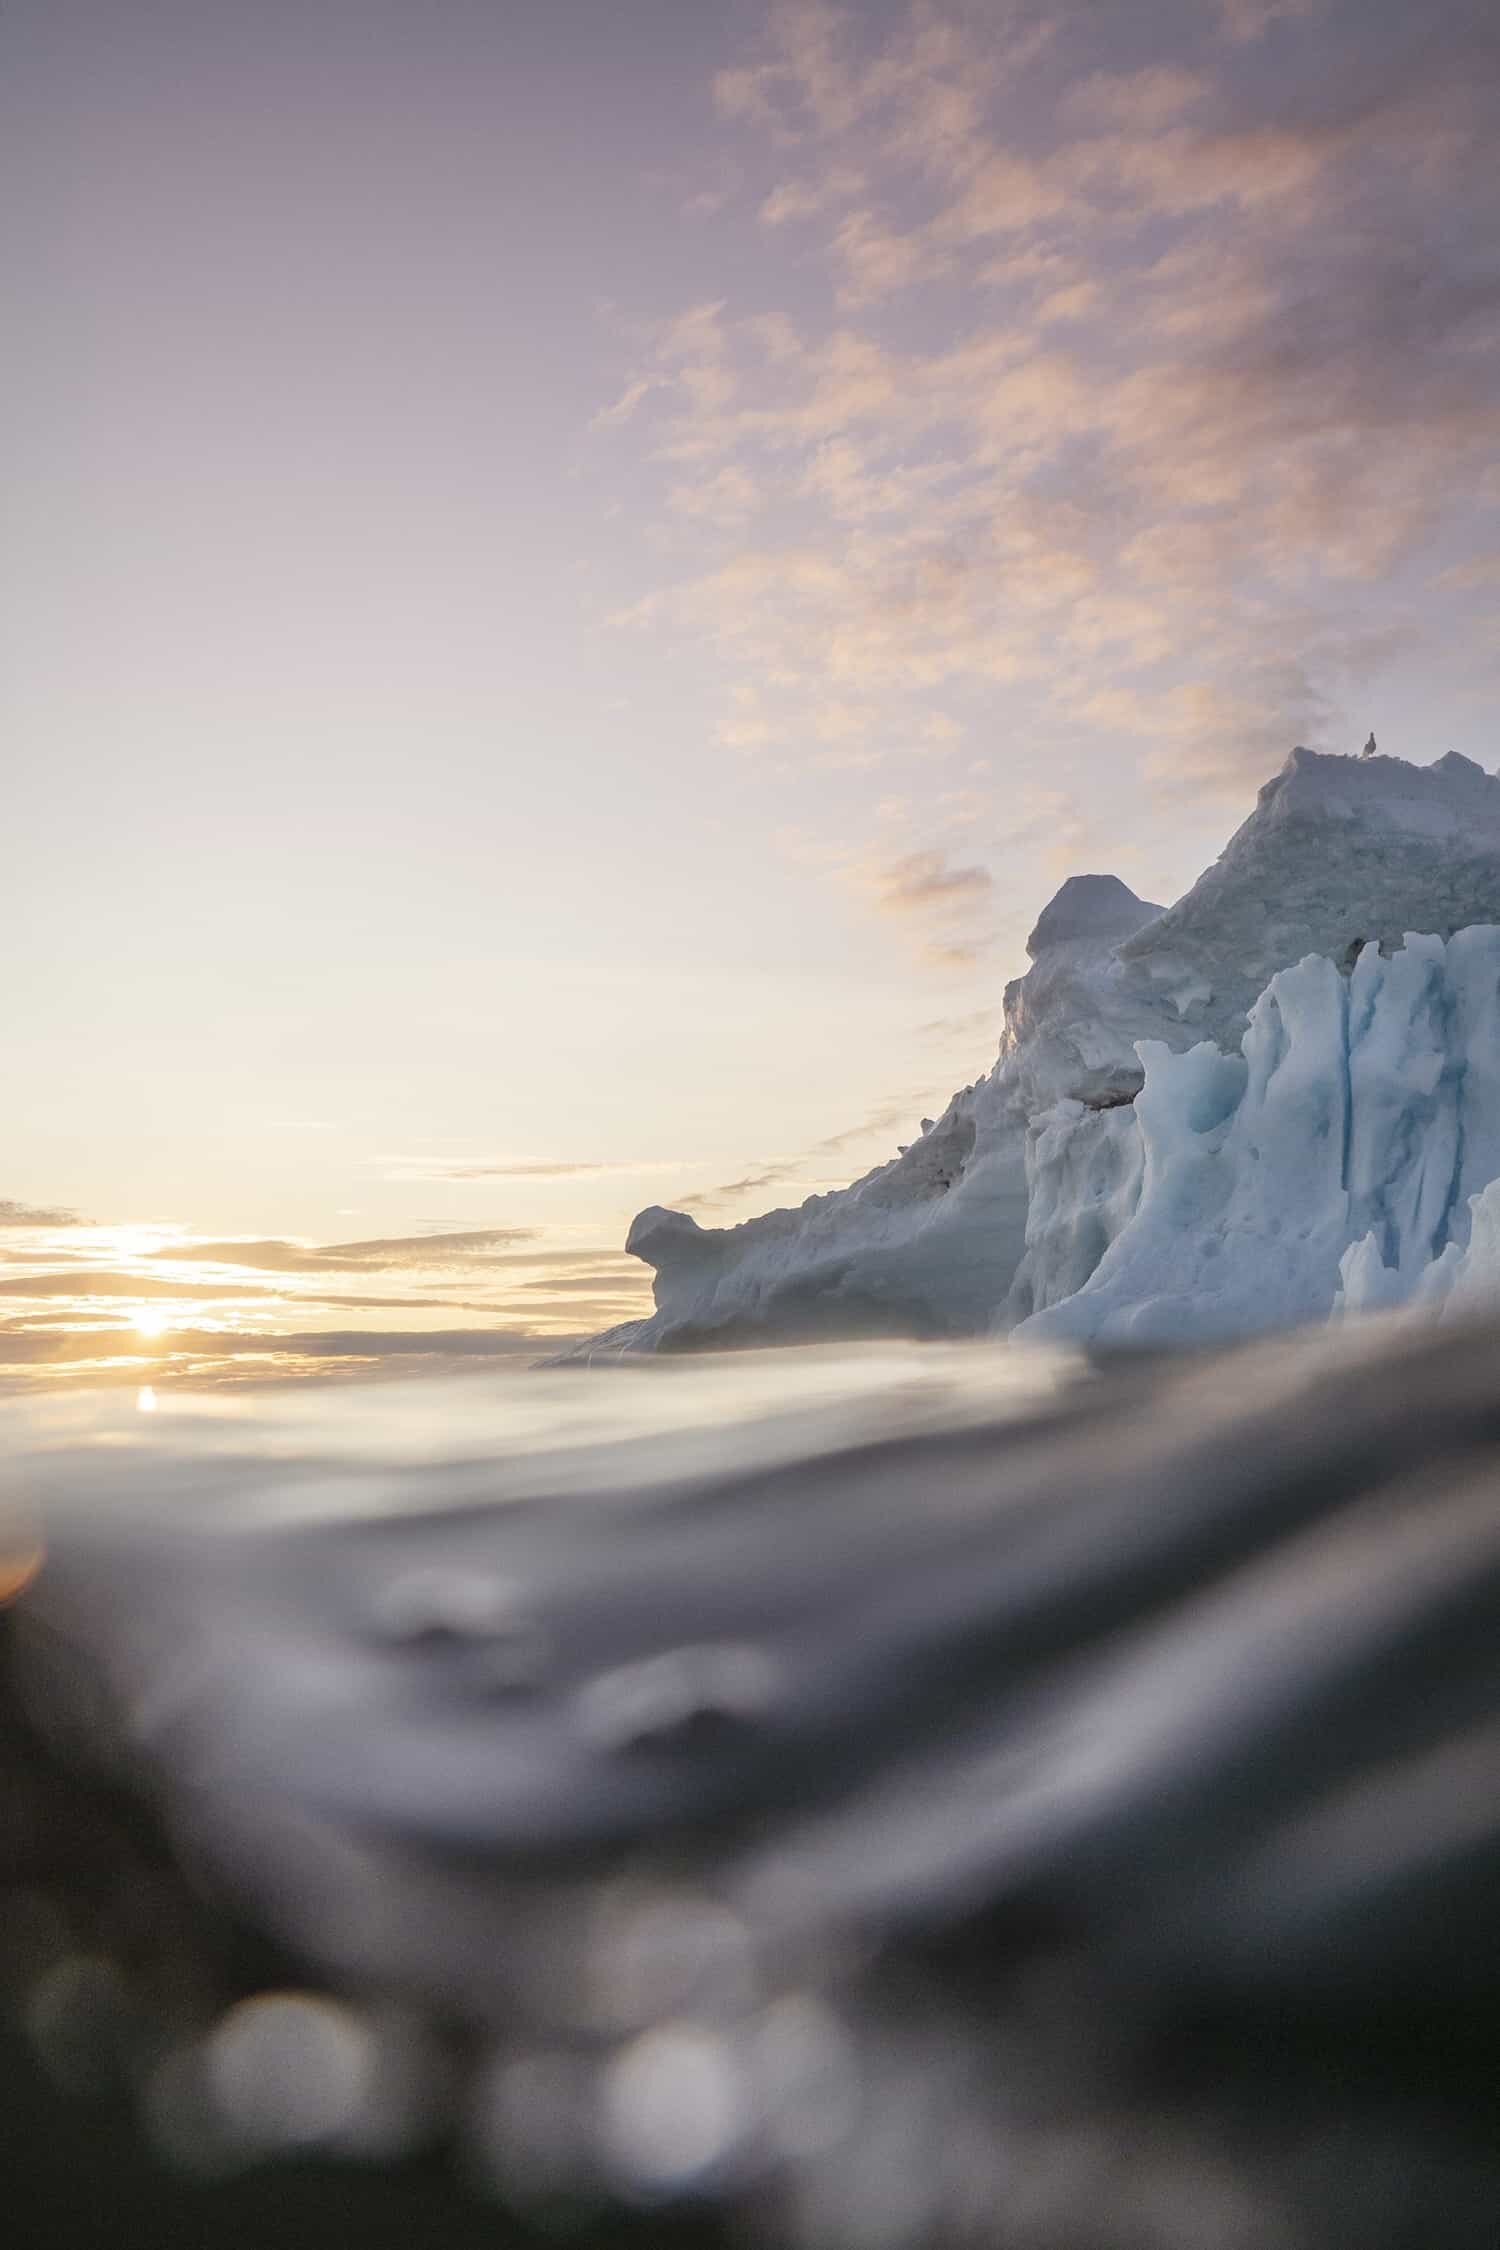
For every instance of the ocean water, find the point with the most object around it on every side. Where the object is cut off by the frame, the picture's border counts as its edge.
(873, 1797)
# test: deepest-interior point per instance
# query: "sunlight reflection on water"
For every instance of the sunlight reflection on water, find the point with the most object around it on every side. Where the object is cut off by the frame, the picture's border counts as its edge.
(356, 1446)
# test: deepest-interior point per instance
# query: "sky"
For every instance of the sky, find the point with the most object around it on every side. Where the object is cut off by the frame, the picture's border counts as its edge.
(578, 575)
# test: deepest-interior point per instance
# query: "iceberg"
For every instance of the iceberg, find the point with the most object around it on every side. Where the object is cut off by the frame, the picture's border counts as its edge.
(1328, 1164)
(1275, 1101)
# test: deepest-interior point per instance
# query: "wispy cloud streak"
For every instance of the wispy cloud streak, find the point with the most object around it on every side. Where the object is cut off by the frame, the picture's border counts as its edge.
(395, 1252)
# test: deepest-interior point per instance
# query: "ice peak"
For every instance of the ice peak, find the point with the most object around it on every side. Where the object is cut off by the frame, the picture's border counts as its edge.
(1453, 763)
(1453, 796)
(1091, 906)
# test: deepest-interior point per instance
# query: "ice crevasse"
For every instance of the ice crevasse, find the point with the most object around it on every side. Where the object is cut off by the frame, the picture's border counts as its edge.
(1277, 1100)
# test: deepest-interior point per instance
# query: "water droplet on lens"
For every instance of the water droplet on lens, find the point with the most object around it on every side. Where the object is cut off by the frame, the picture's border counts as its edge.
(675, 2107)
(291, 2070)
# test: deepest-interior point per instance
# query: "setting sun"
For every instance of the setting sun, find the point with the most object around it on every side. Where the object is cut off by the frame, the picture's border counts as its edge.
(149, 1322)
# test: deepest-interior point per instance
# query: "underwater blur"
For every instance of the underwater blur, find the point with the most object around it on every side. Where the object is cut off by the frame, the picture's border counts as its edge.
(849, 1799)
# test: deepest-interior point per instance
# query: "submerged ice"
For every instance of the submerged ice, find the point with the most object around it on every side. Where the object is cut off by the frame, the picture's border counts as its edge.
(1277, 1099)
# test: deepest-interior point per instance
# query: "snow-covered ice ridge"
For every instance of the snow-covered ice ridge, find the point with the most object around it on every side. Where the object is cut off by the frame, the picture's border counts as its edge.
(1276, 1099)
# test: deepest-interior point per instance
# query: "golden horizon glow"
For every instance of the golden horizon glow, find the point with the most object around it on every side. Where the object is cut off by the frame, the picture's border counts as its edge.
(1004, 439)
(299, 1308)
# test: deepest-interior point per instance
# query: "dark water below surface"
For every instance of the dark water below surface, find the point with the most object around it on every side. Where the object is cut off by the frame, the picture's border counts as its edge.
(865, 1798)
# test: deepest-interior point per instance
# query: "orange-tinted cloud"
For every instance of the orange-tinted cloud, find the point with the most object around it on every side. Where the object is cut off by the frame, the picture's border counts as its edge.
(924, 882)
(1215, 362)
